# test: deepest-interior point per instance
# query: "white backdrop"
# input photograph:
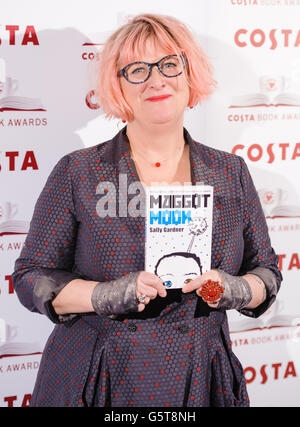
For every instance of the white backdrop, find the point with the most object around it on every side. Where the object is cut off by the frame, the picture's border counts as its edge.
(46, 52)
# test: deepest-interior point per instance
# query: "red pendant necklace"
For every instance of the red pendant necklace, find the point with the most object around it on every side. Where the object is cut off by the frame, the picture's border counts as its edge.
(157, 164)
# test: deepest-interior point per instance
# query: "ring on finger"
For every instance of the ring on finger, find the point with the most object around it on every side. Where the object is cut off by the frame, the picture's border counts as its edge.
(142, 298)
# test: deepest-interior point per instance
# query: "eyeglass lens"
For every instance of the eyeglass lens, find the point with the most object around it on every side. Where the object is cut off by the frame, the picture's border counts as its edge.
(170, 67)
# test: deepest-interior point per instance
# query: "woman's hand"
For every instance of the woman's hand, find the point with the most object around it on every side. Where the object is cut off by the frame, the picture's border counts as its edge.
(240, 292)
(196, 285)
(150, 285)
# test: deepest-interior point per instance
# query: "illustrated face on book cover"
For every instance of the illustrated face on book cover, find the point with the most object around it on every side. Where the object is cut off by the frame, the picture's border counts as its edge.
(178, 268)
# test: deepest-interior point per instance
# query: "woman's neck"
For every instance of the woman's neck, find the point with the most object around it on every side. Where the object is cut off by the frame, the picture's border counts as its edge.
(158, 141)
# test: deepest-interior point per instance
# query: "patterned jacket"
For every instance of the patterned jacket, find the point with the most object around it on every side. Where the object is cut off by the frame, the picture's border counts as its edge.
(177, 352)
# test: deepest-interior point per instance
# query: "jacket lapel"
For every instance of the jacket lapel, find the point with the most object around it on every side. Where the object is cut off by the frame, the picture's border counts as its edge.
(129, 189)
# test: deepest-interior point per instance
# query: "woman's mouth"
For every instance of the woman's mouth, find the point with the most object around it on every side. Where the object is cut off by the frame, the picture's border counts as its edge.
(158, 98)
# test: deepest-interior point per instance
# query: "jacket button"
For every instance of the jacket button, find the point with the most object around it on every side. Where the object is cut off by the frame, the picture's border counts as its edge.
(183, 329)
(132, 327)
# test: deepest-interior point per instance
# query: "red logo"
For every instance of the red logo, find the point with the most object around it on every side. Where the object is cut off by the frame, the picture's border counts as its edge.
(91, 100)
(271, 152)
(13, 161)
(11, 400)
(28, 36)
(10, 285)
(268, 198)
(289, 262)
(271, 39)
(276, 371)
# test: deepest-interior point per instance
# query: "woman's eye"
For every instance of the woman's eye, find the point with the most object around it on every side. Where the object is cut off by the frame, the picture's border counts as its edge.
(187, 280)
(170, 65)
(138, 70)
(168, 283)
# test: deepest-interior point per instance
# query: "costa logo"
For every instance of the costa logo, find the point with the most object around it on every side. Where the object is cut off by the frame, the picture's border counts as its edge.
(241, 118)
(14, 160)
(91, 100)
(270, 153)
(88, 56)
(276, 371)
(92, 55)
(11, 401)
(261, 117)
(9, 287)
(244, 2)
(27, 36)
(289, 262)
(272, 39)
(265, 2)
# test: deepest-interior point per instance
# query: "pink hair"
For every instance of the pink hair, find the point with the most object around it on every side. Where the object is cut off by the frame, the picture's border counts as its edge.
(127, 44)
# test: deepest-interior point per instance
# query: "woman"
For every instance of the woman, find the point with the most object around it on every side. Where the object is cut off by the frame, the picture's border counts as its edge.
(120, 338)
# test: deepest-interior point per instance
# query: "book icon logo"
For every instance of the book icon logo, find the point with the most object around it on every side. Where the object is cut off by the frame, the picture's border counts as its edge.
(9, 225)
(274, 91)
(274, 317)
(274, 203)
(9, 101)
(274, 84)
(7, 86)
(10, 347)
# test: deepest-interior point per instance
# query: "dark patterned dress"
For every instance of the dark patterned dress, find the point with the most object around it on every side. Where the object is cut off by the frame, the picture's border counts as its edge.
(175, 353)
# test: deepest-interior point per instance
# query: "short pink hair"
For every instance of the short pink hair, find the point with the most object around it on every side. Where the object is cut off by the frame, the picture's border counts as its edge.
(127, 44)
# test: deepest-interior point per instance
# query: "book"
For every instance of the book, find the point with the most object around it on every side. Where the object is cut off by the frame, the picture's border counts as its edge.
(275, 317)
(283, 211)
(11, 349)
(178, 232)
(20, 103)
(14, 227)
(264, 100)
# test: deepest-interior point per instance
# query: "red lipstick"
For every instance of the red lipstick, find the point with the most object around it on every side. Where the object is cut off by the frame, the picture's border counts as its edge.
(158, 98)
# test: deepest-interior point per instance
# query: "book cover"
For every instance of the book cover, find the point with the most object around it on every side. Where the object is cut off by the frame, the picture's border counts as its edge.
(178, 232)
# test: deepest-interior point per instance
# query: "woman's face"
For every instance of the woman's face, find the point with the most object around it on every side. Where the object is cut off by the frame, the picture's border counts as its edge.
(141, 97)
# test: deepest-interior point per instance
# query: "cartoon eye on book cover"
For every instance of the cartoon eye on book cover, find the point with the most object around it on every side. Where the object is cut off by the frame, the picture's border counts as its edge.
(178, 232)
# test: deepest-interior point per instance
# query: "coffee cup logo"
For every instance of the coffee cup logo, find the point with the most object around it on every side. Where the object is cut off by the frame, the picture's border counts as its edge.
(272, 199)
(8, 211)
(2, 331)
(8, 87)
(274, 84)
(7, 332)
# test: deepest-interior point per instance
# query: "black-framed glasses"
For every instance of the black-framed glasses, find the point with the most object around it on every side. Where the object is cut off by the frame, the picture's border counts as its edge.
(140, 71)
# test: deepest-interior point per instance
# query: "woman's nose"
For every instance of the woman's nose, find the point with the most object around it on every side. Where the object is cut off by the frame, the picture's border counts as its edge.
(156, 78)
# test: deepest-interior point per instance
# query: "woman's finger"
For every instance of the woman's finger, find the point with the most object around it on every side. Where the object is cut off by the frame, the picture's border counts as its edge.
(149, 291)
(197, 283)
(141, 307)
(153, 281)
